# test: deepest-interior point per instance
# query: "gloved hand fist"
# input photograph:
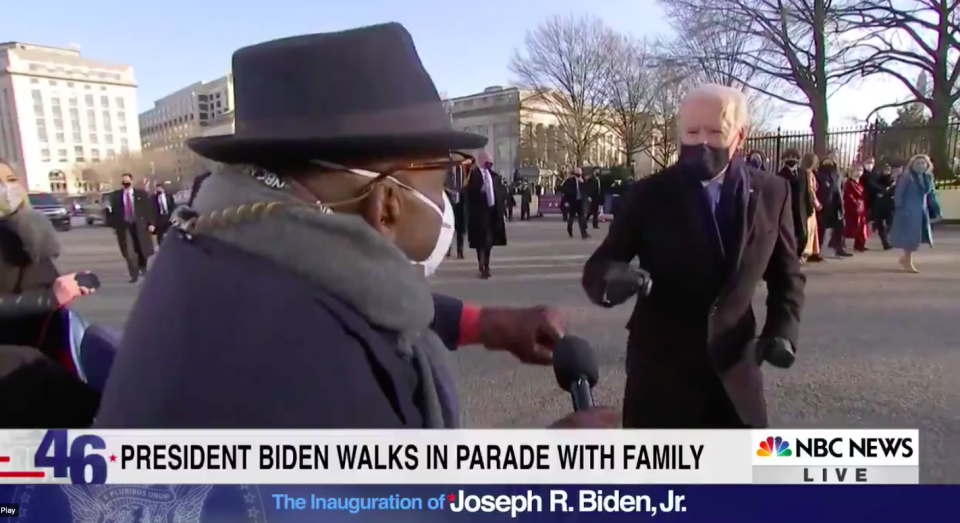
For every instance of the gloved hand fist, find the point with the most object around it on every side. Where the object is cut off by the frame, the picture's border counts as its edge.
(776, 351)
(622, 282)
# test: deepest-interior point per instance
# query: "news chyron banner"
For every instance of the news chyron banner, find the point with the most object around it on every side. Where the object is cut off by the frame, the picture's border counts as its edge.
(459, 457)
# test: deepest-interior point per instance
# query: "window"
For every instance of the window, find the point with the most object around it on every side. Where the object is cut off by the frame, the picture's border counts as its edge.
(37, 81)
(61, 138)
(53, 82)
(74, 114)
(37, 96)
(105, 101)
(95, 155)
(110, 153)
(57, 112)
(58, 124)
(88, 99)
(77, 136)
(92, 120)
(61, 155)
(123, 142)
(45, 155)
(42, 135)
(87, 87)
(93, 137)
(55, 101)
(72, 101)
(106, 116)
(102, 87)
(78, 152)
(121, 116)
(38, 110)
(124, 149)
(70, 84)
(108, 139)
(119, 102)
(123, 129)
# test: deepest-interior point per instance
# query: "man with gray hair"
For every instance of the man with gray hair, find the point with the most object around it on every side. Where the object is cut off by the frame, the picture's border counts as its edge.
(705, 231)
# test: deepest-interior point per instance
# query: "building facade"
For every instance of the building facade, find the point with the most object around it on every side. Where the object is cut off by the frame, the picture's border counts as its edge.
(522, 133)
(184, 114)
(60, 111)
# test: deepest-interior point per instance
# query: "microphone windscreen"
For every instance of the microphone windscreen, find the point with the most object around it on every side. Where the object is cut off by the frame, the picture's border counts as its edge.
(573, 358)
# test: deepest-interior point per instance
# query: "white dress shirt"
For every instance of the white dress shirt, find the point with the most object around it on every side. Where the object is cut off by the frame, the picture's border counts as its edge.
(488, 187)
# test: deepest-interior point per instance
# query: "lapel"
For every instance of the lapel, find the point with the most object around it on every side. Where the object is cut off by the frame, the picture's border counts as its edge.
(745, 215)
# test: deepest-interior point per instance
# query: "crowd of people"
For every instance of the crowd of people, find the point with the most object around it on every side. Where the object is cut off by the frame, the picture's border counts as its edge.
(896, 200)
(293, 291)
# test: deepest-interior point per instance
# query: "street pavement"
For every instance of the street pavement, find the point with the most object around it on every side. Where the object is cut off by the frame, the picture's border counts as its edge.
(878, 347)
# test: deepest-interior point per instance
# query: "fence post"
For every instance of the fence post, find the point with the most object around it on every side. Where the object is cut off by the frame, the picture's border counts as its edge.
(776, 161)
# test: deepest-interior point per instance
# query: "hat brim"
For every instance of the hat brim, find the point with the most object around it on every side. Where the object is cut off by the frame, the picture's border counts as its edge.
(233, 149)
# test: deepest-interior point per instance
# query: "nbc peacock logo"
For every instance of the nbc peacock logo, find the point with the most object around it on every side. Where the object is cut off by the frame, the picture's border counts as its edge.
(777, 446)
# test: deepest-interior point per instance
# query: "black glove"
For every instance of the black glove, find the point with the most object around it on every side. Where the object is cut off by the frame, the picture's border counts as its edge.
(622, 282)
(776, 351)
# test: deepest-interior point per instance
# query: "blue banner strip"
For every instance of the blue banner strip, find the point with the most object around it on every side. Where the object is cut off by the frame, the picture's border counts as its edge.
(480, 504)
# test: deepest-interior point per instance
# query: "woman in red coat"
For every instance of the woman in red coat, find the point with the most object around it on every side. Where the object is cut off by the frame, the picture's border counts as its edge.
(855, 210)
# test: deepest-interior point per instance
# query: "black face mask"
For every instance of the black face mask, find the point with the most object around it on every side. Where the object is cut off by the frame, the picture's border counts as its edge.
(127, 184)
(704, 161)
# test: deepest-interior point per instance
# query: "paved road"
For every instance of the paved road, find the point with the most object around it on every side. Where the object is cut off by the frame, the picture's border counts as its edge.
(879, 348)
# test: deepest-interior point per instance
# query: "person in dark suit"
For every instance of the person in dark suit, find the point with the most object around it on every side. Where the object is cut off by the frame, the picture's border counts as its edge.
(706, 230)
(294, 294)
(456, 180)
(130, 212)
(485, 198)
(802, 205)
(526, 198)
(163, 205)
(576, 199)
(594, 190)
(830, 218)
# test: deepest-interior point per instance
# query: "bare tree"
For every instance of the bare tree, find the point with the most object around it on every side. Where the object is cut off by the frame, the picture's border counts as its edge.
(630, 90)
(564, 68)
(670, 86)
(921, 36)
(796, 51)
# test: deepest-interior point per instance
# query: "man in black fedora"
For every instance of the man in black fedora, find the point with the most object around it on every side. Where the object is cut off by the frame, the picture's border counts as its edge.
(294, 294)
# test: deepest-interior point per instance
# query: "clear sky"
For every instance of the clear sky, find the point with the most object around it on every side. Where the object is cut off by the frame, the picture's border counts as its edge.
(466, 46)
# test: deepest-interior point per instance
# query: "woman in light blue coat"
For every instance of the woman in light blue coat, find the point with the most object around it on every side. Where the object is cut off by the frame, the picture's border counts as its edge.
(916, 207)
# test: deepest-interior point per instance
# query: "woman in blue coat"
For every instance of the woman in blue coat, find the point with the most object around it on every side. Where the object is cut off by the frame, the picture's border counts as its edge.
(915, 207)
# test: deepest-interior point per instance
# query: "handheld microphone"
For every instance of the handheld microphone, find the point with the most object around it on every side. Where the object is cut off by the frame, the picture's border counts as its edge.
(575, 366)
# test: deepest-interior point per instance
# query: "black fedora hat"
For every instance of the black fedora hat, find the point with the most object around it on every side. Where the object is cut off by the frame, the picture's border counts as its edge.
(357, 94)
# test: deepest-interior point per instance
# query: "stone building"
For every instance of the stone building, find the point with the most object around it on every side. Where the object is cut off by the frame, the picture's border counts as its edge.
(526, 134)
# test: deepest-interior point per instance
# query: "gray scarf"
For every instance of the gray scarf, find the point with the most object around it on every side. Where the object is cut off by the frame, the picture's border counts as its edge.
(346, 258)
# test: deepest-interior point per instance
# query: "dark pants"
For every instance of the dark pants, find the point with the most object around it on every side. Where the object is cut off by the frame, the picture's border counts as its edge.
(459, 226)
(836, 236)
(136, 261)
(576, 210)
(882, 226)
(564, 209)
(483, 259)
(524, 210)
(510, 210)
(594, 212)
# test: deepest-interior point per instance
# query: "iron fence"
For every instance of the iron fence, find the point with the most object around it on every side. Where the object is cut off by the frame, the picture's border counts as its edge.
(890, 144)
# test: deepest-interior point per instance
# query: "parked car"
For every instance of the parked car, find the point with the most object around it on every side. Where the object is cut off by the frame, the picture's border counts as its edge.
(54, 209)
(95, 209)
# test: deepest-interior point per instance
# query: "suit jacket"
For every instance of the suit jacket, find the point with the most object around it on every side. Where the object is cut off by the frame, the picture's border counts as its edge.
(163, 218)
(485, 224)
(697, 325)
(569, 189)
(144, 211)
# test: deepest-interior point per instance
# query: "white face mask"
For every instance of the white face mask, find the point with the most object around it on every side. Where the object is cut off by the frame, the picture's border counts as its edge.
(11, 198)
(444, 236)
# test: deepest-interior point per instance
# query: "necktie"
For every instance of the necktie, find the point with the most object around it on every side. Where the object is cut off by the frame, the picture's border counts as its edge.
(713, 194)
(163, 204)
(128, 205)
(577, 180)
